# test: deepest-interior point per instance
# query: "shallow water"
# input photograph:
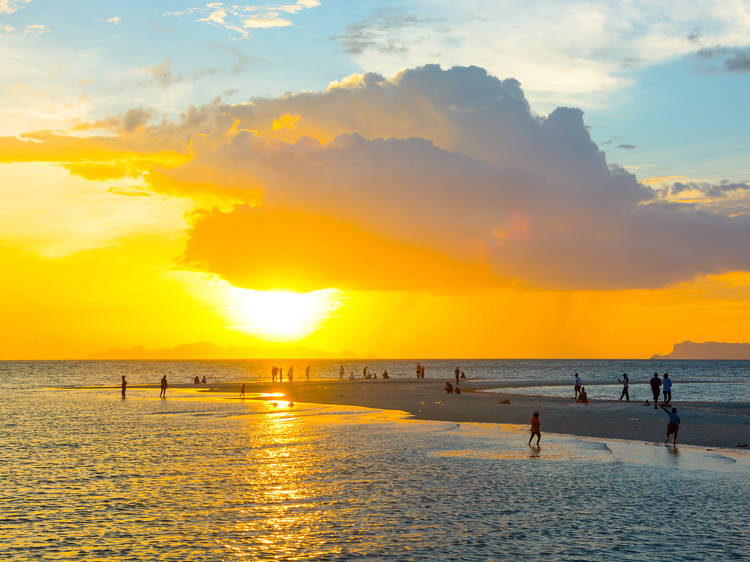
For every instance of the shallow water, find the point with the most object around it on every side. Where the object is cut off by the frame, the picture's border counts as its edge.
(34, 374)
(88, 475)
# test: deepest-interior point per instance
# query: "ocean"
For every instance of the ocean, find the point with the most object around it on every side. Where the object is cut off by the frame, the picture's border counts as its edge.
(88, 475)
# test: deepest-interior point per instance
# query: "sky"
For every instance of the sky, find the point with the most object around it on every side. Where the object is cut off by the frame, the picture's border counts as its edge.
(385, 179)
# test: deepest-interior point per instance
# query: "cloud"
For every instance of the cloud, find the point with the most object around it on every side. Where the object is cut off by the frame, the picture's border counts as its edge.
(377, 32)
(161, 74)
(11, 6)
(115, 20)
(733, 59)
(434, 173)
(268, 248)
(574, 52)
(36, 29)
(627, 146)
(241, 19)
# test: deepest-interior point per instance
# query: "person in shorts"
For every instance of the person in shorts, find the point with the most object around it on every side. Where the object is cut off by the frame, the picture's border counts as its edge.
(576, 386)
(655, 383)
(666, 386)
(535, 425)
(673, 425)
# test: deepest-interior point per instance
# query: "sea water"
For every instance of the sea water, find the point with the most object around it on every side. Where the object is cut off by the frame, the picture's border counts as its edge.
(88, 475)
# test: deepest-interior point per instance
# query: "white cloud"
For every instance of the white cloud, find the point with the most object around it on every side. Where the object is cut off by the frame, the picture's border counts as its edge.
(6, 28)
(114, 19)
(241, 19)
(10, 6)
(574, 52)
(36, 29)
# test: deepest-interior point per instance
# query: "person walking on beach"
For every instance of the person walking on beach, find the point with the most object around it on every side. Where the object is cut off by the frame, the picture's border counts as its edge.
(535, 429)
(163, 391)
(307, 373)
(576, 386)
(341, 373)
(273, 374)
(625, 383)
(457, 372)
(123, 385)
(673, 425)
(667, 388)
(655, 383)
(419, 370)
(242, 391)
(421, 374)
(290, 374)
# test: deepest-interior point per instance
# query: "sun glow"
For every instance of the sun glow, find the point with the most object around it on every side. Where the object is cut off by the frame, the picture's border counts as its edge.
(280, 315)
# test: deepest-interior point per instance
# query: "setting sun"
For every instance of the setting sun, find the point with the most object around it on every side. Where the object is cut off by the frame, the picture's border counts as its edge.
(279, 315)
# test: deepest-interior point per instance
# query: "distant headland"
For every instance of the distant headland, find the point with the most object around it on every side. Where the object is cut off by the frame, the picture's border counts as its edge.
(707, 350)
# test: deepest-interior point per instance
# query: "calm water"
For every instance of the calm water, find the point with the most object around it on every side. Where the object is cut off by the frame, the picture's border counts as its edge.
(723, 380)
(88, 475)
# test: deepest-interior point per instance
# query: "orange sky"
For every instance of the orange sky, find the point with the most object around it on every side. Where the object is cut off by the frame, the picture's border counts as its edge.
(444, 240)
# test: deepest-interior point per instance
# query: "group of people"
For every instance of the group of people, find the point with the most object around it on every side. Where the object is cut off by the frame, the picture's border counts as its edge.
(278, 373)
(162, 386)
(658, 385)
(197, 380)
(449, 388)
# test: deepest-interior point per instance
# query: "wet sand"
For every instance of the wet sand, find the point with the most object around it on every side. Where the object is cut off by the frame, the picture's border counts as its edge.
(703, 424)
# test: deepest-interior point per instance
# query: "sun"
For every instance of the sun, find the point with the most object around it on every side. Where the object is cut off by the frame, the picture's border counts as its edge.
(280, 315)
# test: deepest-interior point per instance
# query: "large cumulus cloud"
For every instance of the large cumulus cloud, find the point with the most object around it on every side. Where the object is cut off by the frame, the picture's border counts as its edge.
(449, 169)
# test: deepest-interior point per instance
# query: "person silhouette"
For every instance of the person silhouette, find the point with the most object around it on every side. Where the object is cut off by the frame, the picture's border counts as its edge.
(163, 391)
(123, 385)
(242, 391)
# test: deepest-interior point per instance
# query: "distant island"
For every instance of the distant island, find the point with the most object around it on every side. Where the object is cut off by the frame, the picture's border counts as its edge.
(208, 350)
(708, 350)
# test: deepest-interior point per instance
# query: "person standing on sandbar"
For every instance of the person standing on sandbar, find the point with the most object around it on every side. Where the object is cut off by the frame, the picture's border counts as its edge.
(123, 385)
(163, 391)
(535, 425)
(625, 383)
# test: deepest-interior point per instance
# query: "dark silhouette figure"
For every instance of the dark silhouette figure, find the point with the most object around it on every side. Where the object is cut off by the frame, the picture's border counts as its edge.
(655, 383)
(625, 383)
(163, 391)
(577, 386)
(242, 391)
(463, 375)
(458, 374)
(583, 398)
(419, 370)
(123, 385)
(341, 373)
(535, 425)
(673, 425)
(307, 373)
(448, 388)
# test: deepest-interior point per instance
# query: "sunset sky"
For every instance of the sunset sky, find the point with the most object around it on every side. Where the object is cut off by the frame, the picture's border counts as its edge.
(393, 179)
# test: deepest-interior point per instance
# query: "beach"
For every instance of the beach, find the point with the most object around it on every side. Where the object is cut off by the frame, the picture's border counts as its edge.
(342, 470)
(703, 424)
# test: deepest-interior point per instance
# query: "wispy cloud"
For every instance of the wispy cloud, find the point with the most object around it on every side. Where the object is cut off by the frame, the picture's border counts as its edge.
(732, 59)
(10, 6)
(162, 74)
(6, 28)
(114, 19)
(36, 29)
(241, 19)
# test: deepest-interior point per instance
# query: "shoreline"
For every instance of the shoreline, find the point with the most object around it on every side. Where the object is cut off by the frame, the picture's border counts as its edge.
(703, 424)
